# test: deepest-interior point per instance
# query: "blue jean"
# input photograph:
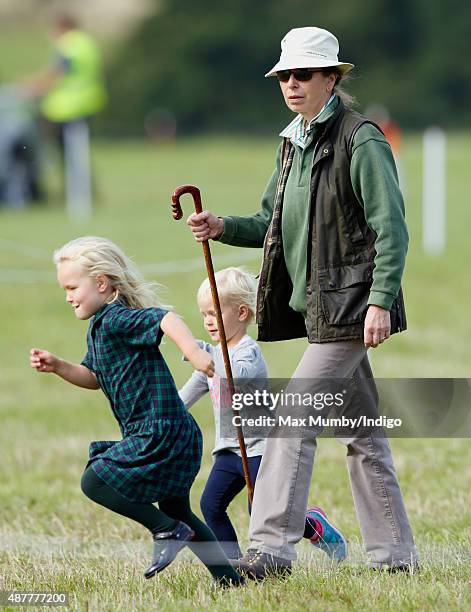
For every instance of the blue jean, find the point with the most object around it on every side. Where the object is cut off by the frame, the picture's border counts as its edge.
(225, 481)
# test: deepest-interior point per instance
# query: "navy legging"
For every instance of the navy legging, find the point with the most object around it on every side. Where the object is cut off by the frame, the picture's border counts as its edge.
(225, 481)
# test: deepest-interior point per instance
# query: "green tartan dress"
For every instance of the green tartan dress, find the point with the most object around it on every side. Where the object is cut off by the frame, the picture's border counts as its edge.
(160, 453)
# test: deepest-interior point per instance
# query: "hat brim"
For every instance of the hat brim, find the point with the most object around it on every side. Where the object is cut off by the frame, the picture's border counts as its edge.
(290, 63)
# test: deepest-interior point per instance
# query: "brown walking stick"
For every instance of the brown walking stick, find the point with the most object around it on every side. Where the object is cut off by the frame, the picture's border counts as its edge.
(178, 214)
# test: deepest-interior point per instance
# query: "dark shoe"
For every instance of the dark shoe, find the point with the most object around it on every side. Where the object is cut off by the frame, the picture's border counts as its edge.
(258, 565)
(167, 544)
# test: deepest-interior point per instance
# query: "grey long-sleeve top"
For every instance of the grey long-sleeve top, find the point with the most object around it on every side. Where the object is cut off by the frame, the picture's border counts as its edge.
(247, 362)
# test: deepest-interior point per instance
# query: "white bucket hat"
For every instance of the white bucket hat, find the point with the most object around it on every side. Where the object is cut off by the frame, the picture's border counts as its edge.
(309, 48)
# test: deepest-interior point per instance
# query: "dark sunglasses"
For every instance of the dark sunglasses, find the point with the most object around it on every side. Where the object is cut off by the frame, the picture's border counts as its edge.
(300, 74)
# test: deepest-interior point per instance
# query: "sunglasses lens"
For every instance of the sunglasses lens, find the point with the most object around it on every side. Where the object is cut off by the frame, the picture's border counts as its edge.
(300, 74)
(303, 74)
(283, 75)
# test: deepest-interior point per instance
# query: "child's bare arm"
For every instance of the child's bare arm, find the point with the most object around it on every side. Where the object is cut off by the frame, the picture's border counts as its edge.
(178, 331)
(44, 361)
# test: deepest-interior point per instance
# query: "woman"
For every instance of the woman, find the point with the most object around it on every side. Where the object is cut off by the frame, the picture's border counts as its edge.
(334, 236)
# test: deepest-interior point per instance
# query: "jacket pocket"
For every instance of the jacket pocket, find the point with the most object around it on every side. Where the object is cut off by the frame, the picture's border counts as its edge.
(344, 293)
(353, 226)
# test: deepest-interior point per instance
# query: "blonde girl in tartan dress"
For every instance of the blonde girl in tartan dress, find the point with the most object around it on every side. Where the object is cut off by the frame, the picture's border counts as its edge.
(159, 454)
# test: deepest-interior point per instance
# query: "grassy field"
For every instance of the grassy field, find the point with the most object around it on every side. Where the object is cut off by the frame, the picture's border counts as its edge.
(53, 538)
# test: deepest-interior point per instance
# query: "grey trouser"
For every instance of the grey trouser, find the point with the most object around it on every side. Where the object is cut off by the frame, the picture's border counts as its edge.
(282, 486)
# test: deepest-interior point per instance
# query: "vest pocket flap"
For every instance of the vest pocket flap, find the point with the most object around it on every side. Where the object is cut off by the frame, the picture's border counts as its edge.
(345, 276)
(344, 293)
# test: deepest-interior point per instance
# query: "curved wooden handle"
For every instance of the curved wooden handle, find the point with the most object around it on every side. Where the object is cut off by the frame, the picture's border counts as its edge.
(178, 214)
(177, 211)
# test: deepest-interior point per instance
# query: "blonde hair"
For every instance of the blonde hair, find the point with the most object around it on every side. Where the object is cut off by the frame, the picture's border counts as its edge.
(99, 256)
(235, 285)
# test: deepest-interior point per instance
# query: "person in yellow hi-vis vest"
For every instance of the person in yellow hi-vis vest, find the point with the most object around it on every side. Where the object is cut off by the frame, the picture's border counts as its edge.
(72, 90)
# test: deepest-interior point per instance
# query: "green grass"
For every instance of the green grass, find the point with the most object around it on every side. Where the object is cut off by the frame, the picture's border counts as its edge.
(53, 538)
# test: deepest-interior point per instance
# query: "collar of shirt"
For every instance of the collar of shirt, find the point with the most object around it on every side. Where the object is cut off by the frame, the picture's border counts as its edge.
(101, 311)
(296, 130)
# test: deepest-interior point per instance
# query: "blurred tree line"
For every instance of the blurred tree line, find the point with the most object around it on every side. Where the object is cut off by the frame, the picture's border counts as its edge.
(205, 60)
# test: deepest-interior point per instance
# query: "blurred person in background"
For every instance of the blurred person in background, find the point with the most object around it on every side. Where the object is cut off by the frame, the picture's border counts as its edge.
(334, 236)
(20, 168)
(71, 91)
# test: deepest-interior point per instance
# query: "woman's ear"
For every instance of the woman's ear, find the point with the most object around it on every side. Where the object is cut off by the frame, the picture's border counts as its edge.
(331, 82)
